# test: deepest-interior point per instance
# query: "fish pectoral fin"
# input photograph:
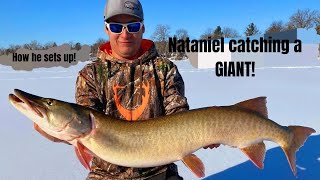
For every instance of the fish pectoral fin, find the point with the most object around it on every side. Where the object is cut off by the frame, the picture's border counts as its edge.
(93, 120)
(83, 155)
(194, 164)
(258, 105)
(256, 153)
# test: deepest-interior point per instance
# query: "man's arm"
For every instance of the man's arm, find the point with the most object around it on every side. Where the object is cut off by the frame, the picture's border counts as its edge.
(86, 93)
(174, 98)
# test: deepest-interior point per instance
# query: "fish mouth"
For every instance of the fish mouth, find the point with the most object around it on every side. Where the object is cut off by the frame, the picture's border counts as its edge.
(35, 107)
(25, 100)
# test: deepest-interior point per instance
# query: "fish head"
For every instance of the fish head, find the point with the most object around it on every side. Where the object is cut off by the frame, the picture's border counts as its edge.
(60, 119)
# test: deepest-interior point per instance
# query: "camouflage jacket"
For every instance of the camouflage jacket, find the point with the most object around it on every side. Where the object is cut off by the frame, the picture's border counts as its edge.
(145, 88)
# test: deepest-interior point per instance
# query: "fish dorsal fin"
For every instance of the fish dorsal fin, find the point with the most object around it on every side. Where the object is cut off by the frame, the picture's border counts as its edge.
(258, 105)
(83, 155)
(256, 153)
(194, 164)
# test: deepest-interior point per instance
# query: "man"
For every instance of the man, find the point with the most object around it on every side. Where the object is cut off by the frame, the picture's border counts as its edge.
(131, 82)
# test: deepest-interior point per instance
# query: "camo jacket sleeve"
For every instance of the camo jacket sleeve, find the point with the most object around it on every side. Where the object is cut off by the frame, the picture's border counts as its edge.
(86, 90)
(174, 92)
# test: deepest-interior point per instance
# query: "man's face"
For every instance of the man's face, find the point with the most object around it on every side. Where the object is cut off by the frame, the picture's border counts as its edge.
(125, 45)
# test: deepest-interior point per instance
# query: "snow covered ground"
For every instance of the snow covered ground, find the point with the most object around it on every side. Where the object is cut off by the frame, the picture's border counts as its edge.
(293, 95)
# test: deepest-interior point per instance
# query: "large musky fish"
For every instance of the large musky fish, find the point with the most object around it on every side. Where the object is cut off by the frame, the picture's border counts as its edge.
(161, 140)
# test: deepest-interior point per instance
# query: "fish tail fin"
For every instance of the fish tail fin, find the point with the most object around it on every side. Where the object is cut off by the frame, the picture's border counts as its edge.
(300, 135)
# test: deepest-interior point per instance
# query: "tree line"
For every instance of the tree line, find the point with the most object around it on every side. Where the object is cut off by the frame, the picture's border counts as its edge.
(306, 19)
(35, 45)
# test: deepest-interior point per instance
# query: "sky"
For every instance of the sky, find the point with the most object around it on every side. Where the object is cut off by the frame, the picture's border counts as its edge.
(82, 21)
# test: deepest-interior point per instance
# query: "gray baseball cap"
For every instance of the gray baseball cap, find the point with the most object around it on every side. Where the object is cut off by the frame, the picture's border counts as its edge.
(129, 7)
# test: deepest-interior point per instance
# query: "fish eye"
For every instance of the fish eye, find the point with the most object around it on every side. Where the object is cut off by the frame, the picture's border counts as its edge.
(49, 102)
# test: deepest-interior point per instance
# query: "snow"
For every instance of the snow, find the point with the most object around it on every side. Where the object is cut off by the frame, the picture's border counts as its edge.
(292, 94)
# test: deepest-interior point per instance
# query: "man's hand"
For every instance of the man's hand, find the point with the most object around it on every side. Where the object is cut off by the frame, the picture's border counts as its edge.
(212, 146)
(51, 138)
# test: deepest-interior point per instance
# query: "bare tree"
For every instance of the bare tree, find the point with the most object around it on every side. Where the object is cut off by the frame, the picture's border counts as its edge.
(230, 32)
(206, 34)
(2, 51)
(317, 22)
(317, 18)
(160, 37)
(95, 46)
(318, 29)
(35, 45)
(27, 46)
(71, 44)
(290, 26)
(276, 26)
(302, 19)
(181, 34)
(16, 47)
(49, 45)
(12, 48)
